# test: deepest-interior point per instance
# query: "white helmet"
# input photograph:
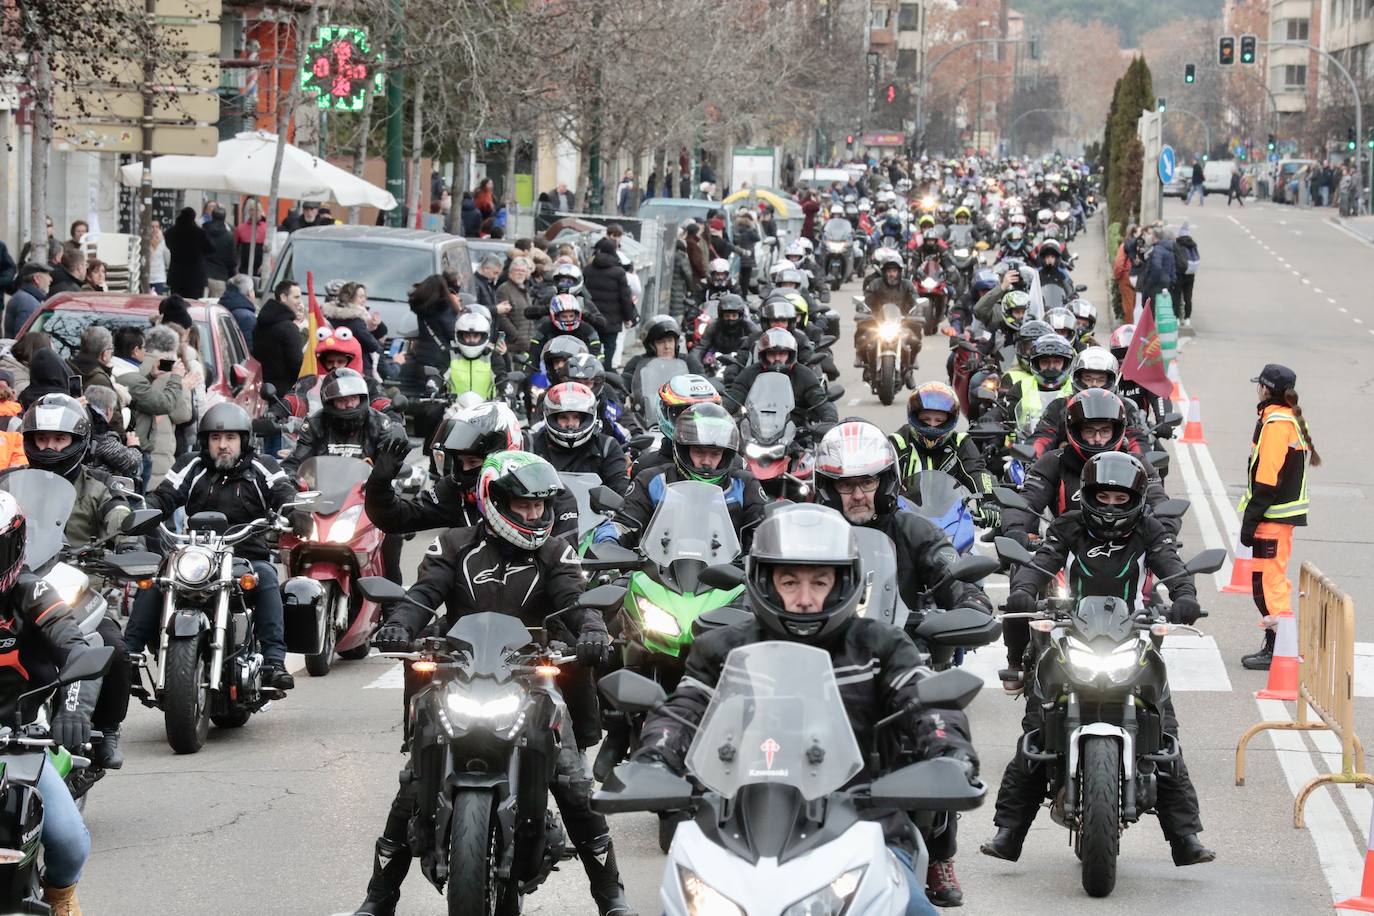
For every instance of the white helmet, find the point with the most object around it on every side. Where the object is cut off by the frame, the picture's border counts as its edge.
(472, 334)
(1044, 216)
(795, 249)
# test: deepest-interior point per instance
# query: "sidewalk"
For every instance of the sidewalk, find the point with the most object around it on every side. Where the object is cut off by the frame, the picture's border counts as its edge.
(1363, 226)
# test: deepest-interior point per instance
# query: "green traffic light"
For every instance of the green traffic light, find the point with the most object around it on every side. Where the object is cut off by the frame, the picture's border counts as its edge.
(1204, 157)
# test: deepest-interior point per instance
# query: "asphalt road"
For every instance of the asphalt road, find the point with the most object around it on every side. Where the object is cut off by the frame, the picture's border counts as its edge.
(280, 816)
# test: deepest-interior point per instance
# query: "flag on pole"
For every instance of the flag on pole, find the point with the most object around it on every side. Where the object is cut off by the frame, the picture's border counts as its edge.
(1145, 363)
(314, 320)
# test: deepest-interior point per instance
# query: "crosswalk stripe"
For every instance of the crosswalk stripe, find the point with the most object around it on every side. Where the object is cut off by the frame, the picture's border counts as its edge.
(392, 679)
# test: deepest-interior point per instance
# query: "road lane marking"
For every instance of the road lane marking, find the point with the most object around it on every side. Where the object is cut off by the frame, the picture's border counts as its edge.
(394, 678)
(1317, 290)
(852, 401)
(1202, 505)
(1305, 280)
(1341, 309)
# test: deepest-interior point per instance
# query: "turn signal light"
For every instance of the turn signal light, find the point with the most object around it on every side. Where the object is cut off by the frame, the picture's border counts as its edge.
(546, 670)
(1159, 629)
(145, 583)
(248, 582)
(1042, 626)
(424, 667)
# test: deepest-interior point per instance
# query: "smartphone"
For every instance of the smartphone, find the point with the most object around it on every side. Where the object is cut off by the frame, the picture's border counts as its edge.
(396, 346)
(166, 365)
(500, 337)
(74, 385)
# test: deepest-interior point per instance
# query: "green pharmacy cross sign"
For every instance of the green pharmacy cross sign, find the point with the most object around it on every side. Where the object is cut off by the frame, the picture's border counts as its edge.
(340, 68)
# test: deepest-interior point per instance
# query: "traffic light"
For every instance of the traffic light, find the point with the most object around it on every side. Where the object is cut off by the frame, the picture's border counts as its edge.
(1240, 153)
(1350, 139)
(1371, 138)
(1033, 48)
(1226, 51)
(1247, 49)
(890, 93)
(1272, 144)
(1189, 73)
(1159, 104)
(849, 140)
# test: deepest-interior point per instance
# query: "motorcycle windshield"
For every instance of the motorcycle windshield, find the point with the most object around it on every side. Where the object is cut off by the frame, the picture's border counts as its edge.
(880, 564)
(580, 486)
(47, 500)
(890, 311)
(652, 374)
(490, 640)
(934, 493)
(333, 477)
(776, 717)
(1052, 296)
(961, 236)
(768, 407)
(838, 230)
(692, 522)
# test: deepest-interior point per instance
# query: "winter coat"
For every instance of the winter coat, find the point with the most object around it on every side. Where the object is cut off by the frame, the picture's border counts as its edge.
(21, 305)
(241, 307)
(470, 219)
(220, 261)
(697, 258)
(156, 407)
(63, 281)
(516, 324)
(610, 290)
(684, 285)
(249, 490)
(746, 237)
(190, 250)
(277, 345)
(354, 317)
(92, 372)
(1159, 270)
(48, 374)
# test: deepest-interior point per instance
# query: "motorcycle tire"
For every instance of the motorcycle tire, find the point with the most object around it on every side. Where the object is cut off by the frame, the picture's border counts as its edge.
(355, 653)
(186, 699)
(1099, 833)
(320, 663)
(474, 854)
(887, 379)
(236, 719)
(932, 319)
(667, 826)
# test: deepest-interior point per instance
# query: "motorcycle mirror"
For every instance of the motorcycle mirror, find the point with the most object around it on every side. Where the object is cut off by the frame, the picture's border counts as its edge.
(604, 499)
(303, 498)
(141, 521)
(84, 665)
(1170, 508)
(723, 576)
(1167, 423)
(952, 689)
(860, 306)
(630, 692)
(1081, 287)
(639, 443)
(1011, 551)
(835, 393)
(1023, 451)
(939, 784)
(400, 402)
(602, 598)
(263, 426)
(641, 787)
(381, 589)
(973, 567)
(826, 342)
(1159, 461)
(1208, 561)
(961, 627)
(268, 391)
(516, 378)
(432, 372)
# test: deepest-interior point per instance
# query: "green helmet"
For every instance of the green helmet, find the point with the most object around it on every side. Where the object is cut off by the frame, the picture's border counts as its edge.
(517, 475)
(710, 426)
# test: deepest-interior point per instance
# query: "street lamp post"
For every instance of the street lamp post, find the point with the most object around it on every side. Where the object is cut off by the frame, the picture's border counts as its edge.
(923, 78)
(1206, 130)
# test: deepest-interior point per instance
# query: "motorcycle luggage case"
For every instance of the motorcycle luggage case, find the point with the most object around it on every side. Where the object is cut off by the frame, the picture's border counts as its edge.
(303, 610)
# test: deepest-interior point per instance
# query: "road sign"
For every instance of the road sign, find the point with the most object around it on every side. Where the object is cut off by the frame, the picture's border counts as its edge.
(128, 138)
(112, 105)
(1167, 163)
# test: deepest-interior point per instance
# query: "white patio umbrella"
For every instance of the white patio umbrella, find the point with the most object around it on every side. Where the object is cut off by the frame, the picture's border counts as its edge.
(243, 165)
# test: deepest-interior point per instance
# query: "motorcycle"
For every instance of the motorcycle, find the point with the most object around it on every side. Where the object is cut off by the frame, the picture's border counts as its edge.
(209, 664)
(331, 544)
(932, 285)
(776, 806)
(944, 501)
(25, 749)
(649, 377)
(771, 450)
(895, 342)
(485, 735)
(1098, 668)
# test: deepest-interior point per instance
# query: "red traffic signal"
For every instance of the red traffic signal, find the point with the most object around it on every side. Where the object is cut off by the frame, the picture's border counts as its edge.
(849, 139)
(890, 93)
(1226, 51)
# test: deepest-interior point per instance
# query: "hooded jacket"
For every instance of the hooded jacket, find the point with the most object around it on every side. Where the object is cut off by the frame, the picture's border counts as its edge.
(245, 315)
(277, 345)
(610, 290)
(48, 374)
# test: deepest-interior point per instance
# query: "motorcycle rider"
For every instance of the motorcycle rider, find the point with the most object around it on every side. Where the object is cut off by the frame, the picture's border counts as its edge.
(706, 443)
(1093, 367)
(345, 425)
(930, 440)
(675, 396)
(729, 333)
(1050, 256)
(56, 431)
(1046, 364)
(565, 317)
(335, 348)
(1112, 540)
(805, 580)
(1063, 323)
(1085, 316)
(226, 476)
(536, 572)
(662, 340)
(44, 633)
(473, 364)
(776, 351)
(611, 396)
(799, 252)
(889, 286)
(571, 440)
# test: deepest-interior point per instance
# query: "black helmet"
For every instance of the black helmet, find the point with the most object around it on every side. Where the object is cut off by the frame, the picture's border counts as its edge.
(708, 425)
(1116, 472)
(1094, 404)
(659, 328)
(57, 413)
(226, 417)
(1050, 346)
(586, 370)
(804, 535)
(560, 350)
(777, 308)
(344, 383)
(1026, 336)
(1051, 246)
(477, 431)
(732, 304)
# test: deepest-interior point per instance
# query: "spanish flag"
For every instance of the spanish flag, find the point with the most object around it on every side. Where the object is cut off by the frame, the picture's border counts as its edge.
(314, 320)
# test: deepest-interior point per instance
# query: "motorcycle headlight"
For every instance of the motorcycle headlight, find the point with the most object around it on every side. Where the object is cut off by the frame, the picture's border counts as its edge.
(759, 452)
(928, 283)
(961, 252)
(656, 619)
(497, 707)
(193, 567)
(68, 581)
(831, 900)
(703, 899)
(345, 524)
(889, 330)
(1089, 664)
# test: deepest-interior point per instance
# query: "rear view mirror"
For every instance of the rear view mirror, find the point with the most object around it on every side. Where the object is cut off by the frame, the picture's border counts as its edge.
(630, 692)
(642, 787)
(723, 576)
(602, 598)
(836, 392)
(641, 442)
(381, 590)
(141, 521)
(1170, 508)
(1023, 451)
(86, 664)
(604, 499)
(1159, 461)
(516, 379)
(263, 426)
(1012, 552)
(972, 567)
(939, 784)
(268, 391)
(1081, 287)
(432, 372)
(952, 689)
(1008, 498)
(1208, 561)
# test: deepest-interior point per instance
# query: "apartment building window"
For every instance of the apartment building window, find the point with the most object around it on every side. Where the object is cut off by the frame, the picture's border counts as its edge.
(881, 19)
(1288, 77)
(1297, 29)
(909, 17)
(906, 62)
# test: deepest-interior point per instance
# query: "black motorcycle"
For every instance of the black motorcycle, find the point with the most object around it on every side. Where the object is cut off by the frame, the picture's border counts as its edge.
(485, 734)
(893, 345)
(1099, 673)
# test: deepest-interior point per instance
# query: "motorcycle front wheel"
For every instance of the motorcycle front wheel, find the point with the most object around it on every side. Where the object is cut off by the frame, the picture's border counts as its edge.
(320, 663)
(186, 699)
(887, 379)
(933, 316)
(473, 854)
(1099, 835)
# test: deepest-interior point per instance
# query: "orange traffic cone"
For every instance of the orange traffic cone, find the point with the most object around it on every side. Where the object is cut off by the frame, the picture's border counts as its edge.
(1283, 670)
(1177, 394)
(1242, 569)
(1364, 902)
(1192, 430)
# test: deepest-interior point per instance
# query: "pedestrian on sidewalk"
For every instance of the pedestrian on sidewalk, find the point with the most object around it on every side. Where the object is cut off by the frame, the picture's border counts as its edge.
(1186, 260)
(1234, 190)
(1275, 500)
(1123, 270)
(1195, 188)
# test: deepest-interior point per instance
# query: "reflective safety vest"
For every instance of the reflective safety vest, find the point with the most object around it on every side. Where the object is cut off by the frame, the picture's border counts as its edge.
(912, 460)
(1290, 482)
(1031, 402)
(471, 375)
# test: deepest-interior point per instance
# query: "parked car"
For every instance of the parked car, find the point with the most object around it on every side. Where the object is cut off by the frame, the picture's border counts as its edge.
(231, 373)
(1216, 176)
(1183, 179)
(387, 261)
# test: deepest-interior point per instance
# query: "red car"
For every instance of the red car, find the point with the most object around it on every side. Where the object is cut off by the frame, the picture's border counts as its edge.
(231, 373)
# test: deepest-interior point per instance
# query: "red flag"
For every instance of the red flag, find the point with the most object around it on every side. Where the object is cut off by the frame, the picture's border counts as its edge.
(314, 320)
(1144, 363)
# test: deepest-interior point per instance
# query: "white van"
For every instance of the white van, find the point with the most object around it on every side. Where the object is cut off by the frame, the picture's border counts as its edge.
(1216, 176)
(822, 179)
